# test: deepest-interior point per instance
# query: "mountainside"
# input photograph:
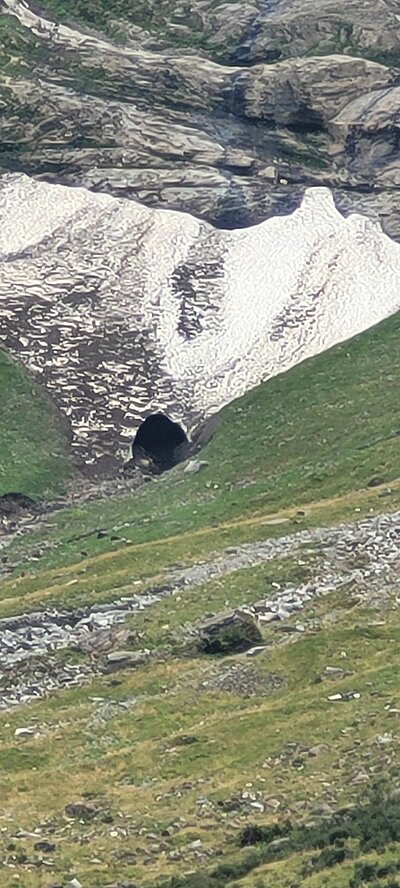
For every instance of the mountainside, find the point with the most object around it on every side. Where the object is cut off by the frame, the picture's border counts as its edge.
(199, 669)
(122, 311)
(146, 760)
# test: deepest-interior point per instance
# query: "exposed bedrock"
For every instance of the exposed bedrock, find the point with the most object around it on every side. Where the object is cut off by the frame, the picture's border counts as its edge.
(174, 125)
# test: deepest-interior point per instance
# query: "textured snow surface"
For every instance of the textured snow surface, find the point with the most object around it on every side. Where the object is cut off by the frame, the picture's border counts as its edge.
(122, 310)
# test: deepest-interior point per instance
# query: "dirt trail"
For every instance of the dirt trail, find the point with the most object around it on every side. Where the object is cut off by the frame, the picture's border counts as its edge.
(266, 518)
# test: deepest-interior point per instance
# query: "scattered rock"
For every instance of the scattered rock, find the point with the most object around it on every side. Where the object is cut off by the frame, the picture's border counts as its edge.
(125, 659)
(241, 680)
(272, 521)
(273, 804)
(183, 740)
(360, 778)
(375, 482)
(319, 749)
(30, 669)
(25, 732)
(334, 671)
(15, 504)
(81, 810)
(268, 617)
(255, 651)
(45, 847)
(279, 843)
(384, 739)
(322, 809)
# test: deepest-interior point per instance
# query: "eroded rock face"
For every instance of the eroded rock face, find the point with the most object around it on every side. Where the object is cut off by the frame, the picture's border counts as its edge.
(228, 633)
(296, 27)
(369, 128)
(308, 93)
(217, 109)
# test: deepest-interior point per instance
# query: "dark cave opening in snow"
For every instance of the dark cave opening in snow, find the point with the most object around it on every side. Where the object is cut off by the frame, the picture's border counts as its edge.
(159, 443)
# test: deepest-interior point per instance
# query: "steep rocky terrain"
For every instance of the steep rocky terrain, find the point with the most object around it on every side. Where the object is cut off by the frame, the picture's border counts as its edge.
(199, 671)
(122, 311)
(223, 110)
(201, 108)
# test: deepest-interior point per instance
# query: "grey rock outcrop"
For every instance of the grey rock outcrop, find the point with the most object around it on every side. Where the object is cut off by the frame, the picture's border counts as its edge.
(369, 126)
(181, 125)
(298, 27)
(190, 113)
(307, 93)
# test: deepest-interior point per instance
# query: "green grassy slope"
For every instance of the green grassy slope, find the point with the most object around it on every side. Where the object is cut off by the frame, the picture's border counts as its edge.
(300, 450)
(34, 456)
(318, 433)
(168, 809)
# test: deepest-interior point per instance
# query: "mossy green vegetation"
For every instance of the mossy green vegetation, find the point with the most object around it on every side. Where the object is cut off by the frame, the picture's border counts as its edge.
(19, 47)
(121, 744)
(156, 19)
(175, 761)
(34, 455)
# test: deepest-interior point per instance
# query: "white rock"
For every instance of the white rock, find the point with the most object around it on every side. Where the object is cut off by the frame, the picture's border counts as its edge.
(267, 618)
(195, 466)
(254, 651)
(258, 806)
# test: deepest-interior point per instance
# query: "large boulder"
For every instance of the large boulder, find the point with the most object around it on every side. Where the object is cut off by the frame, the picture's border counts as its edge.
(231, 632)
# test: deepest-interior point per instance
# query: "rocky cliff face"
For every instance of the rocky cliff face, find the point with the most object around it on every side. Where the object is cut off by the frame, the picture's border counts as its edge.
(225, 110)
